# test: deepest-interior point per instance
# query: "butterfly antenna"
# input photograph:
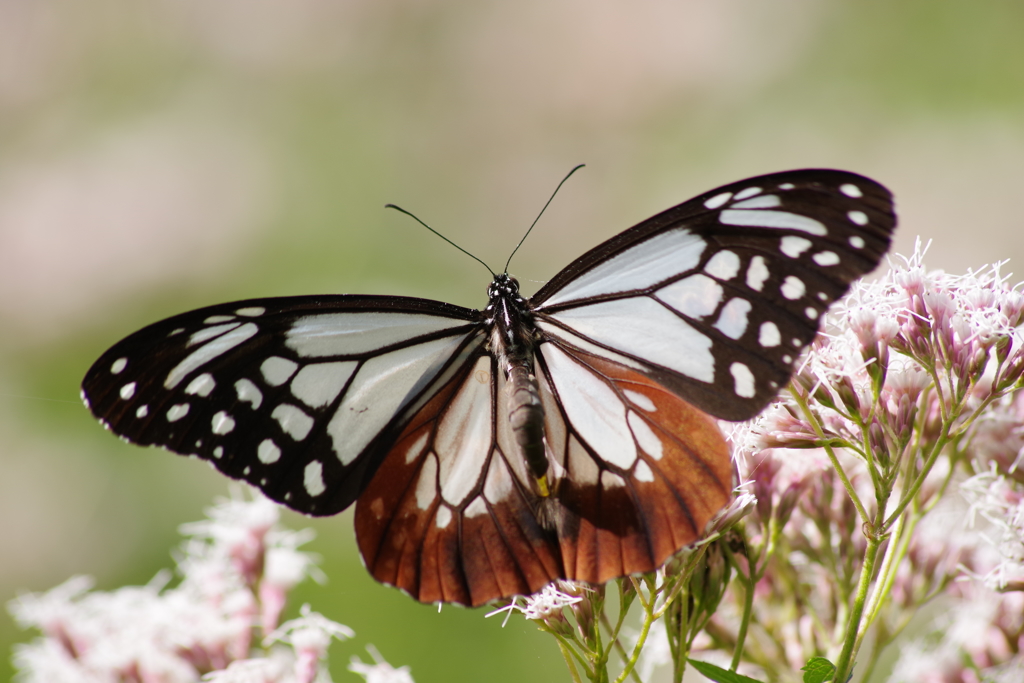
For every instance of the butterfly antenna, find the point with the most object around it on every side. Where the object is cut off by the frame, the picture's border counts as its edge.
(416, 218)
(576, 168)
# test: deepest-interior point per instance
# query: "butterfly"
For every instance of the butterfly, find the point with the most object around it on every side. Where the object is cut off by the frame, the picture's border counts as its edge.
(571, 435)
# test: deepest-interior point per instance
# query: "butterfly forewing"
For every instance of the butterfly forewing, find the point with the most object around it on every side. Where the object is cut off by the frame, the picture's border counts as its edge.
(737, 278)
(293, 395)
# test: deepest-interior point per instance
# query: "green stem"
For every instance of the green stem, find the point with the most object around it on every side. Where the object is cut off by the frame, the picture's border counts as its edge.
(899, 542)
(567, 655)
(844, 665)
(616, 643)
(748, 608)
(749, 581)
(820, 432)
(641, 639)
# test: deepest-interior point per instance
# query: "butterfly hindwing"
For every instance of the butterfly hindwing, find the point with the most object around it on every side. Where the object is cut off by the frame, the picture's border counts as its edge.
(738, 279)
(642, 471)
(450, 516)
(293, 395)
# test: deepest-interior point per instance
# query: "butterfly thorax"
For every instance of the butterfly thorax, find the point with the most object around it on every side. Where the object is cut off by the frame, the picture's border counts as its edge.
(512, 341)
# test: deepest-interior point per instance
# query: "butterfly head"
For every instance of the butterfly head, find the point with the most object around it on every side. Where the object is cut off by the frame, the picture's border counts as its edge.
(503, 286)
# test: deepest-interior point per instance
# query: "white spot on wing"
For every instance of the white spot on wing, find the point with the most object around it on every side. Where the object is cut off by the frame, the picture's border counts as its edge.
(318, 384)
(464, 438)
(222, 422)
(204, 354)
(249, 393)
(793, 287)
(293, 421)
(794, 246)
(475, 509)
(767, 201)
(640, 400)
(127, 391)
(645, 437)
(596, 413)
(444, 516)
(177, 411)
(340, 334)
(826, 258)
(786, 186)
(769, 335)
(643, 472)
(639, 267)
(276, 370)
(747, 192)
(313, 478)
(118, 366)
(202, 385)
(850, 190)
(213, 319)
(268, 452)
(142, 411)
(208, 333)
(856, 241)
(811, 312)
(858, 217)
(251, 311)
(218, 452)
(610, 480)
(499, 482)
(426, 485)
(724, 265)
(744, 380)
(640, 327)
(782, 220)
(757, 273)
(416, 448)
(695, 296)
(718, 200)
(732, 322)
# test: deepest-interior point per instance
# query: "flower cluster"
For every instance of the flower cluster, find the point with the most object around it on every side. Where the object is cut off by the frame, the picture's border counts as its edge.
(910, 390)
(219, 623)
(903, 422)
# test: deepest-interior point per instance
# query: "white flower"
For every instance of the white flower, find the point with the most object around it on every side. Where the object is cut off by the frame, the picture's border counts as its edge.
(994, 497)
(546, 602)
(205, 624)
(380, 671)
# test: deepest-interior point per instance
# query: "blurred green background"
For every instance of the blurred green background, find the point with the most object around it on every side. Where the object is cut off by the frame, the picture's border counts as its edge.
(160, 155)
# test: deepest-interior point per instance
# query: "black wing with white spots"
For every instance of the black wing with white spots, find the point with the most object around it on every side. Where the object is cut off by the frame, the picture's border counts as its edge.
(738, 278)
(295, 395)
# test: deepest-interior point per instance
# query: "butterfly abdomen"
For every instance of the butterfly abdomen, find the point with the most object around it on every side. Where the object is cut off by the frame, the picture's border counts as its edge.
(526, 417)
(513, 344)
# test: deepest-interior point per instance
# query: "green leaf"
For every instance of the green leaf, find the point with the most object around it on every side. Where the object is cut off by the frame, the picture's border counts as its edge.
(818, 670)
(720, 675)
